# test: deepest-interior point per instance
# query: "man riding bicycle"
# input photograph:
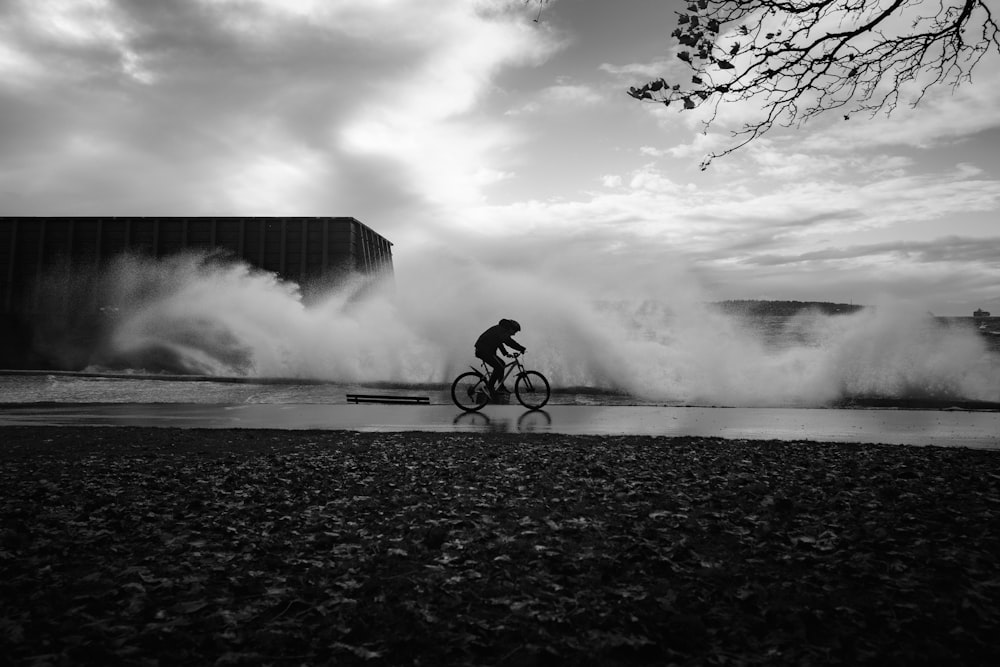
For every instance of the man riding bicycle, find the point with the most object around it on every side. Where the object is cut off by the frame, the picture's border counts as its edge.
(492, 341)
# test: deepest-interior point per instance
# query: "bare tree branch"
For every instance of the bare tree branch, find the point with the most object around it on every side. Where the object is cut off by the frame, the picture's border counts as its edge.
(803, 58)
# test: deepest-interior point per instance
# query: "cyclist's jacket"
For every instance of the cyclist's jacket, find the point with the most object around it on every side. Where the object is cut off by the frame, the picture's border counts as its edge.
(496, 337)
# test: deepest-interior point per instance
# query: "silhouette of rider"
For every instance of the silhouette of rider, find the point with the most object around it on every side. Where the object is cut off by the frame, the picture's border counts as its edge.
(492, 341)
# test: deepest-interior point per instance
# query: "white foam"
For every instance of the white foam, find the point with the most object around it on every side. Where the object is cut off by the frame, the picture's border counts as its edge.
(584, 328)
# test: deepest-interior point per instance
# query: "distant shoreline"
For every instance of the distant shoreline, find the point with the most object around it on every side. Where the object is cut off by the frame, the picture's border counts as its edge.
(756, 308)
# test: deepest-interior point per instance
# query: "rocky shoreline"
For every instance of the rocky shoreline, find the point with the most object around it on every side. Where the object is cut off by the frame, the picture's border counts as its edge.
(166, 546)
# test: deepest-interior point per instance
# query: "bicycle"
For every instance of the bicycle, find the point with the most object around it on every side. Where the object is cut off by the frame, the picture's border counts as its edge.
(470, 390)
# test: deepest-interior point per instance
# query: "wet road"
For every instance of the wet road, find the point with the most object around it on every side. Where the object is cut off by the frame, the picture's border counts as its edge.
(913, 427)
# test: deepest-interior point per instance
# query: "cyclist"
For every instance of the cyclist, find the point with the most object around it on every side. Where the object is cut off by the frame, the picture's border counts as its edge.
(492, 341)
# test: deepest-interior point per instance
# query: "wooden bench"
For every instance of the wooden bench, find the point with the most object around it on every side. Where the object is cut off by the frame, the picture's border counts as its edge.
(371, 398)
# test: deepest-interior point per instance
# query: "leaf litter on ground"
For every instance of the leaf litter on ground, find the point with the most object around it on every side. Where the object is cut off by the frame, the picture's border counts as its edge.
(170, 546)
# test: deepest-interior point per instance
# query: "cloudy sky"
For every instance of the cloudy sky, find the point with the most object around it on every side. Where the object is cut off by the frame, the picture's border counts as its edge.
(464, 127)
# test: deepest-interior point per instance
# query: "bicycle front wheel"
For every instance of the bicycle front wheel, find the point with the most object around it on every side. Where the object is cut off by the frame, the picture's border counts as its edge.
(532, 390)
(469, 392)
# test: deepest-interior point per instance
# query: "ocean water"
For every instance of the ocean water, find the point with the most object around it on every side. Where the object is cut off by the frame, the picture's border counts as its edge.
(194, 329)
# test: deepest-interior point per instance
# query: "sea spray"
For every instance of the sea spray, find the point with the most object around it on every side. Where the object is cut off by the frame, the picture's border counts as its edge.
(901, 352)
(890, 351)
(208, 314)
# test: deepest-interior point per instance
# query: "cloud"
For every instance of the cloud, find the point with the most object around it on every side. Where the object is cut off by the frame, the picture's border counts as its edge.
(561, 98)
(571, 94)
(255, 107)
(738, 239)
(938, 273)
(632, 71)
(415, 118)
(59, 40)
(943, 116)
(985, 251)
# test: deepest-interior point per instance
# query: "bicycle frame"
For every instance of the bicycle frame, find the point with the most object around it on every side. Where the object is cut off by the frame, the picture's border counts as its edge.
(508, 368)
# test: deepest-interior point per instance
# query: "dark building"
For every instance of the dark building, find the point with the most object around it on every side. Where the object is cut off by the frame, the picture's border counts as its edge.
(308, 251)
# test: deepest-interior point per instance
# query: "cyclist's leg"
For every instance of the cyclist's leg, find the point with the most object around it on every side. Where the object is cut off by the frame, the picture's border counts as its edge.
(504, 374)
(493, 361)
(496, 379)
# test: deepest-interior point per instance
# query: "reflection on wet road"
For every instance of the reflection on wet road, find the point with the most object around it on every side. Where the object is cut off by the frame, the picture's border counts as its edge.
(914, 427)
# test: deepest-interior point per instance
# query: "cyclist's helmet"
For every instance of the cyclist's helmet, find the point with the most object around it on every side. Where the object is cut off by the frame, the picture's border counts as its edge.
(510, 325)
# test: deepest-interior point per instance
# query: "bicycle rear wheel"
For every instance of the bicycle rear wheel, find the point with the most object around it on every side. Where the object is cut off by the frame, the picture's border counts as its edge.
(532, 390)
(469, 392)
